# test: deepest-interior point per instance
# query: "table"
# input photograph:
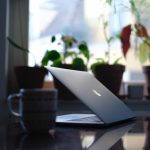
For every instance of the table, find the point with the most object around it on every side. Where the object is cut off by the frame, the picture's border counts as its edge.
(126, 136)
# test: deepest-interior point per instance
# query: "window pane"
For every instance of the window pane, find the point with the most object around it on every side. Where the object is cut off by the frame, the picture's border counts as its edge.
(79, 19)
(84, 20)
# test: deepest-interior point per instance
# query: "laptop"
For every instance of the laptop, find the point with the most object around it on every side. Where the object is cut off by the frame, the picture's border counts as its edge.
(106, 107)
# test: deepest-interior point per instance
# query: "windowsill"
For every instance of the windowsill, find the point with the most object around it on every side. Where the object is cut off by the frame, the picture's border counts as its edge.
(48, 85)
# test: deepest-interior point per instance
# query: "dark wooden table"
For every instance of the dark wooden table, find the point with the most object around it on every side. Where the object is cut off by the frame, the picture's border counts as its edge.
(120, 137)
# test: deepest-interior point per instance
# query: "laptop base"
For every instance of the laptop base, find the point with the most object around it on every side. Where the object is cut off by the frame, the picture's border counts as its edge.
(87, 119)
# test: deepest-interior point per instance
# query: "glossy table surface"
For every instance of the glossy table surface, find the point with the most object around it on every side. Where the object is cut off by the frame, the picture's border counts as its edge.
(127, 136)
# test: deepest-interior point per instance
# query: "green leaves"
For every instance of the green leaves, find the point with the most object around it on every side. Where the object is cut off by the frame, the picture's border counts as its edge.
(53, 39)
(75, 53)
(84, 50)
(132, 2)
(105, 24)
(57, 58)
(100, 61)
(144, 50)
(109, 40)
(68, 41)
(52, 55)
(117, 61)
(109, 2)
(78, 64)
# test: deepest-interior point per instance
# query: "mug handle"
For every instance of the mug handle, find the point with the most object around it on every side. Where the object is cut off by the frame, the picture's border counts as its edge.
(10, 98)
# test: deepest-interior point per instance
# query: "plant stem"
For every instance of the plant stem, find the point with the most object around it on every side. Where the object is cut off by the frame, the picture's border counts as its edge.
(22, 49)
(146, 42)
(107, 53)
(65, 52)
(135, 11)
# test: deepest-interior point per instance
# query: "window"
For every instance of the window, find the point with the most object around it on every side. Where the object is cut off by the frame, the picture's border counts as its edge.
(82, 19)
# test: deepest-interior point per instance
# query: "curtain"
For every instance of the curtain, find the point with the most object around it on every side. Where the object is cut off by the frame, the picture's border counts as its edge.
(3, 53)
(18, 32)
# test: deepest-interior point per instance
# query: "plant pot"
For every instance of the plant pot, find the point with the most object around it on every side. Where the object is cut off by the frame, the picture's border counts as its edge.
(30, 77)
(63, 92)
(146, 71)
(110, 76)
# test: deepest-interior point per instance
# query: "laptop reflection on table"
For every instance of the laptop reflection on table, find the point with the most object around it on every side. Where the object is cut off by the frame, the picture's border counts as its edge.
(110, 138)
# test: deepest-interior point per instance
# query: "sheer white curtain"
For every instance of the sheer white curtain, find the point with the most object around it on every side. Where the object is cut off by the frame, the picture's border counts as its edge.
(18, 31)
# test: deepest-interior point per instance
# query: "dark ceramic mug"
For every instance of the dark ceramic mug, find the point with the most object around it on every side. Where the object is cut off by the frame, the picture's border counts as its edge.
(37, 109)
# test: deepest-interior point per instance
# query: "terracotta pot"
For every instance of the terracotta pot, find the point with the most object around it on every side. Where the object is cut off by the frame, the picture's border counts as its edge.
(110, 76)
(146, 71)
(30, 77)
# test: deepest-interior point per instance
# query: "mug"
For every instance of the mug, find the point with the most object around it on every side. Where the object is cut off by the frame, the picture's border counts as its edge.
(37, 109)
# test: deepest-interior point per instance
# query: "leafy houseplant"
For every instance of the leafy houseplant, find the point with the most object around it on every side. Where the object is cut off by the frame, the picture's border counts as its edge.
(79, 57)
(28, 77)
(74, 56)
(142, 46)
(109, 74)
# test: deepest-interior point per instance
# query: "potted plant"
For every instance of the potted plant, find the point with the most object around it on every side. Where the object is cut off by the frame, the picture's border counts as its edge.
(143, 54)
(110, 74)
(28, 77)
(75, 55)
(79, 56)
(142, 46)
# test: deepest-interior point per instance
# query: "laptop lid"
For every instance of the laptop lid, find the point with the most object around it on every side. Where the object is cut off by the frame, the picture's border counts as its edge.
(93, 94)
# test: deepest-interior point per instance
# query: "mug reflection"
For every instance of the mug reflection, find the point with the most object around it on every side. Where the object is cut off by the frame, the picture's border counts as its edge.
(59, 141)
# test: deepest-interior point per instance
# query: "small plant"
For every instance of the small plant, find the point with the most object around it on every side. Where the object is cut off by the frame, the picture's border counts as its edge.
(136, 28)
(106, 59)
(26, 76)
(77, 52)
(142, 44)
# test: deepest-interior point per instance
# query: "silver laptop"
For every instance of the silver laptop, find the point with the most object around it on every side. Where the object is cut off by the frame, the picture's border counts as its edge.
(106, 107)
